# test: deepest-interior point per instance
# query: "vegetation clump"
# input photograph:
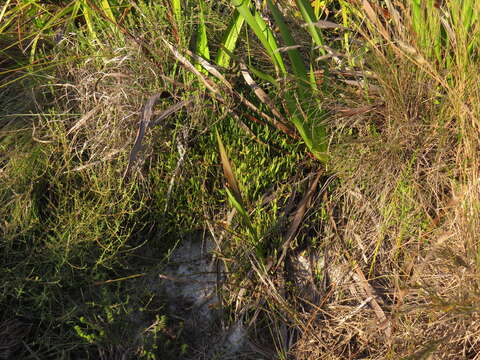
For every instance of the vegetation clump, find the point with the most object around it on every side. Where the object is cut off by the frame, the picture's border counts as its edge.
(327, 151)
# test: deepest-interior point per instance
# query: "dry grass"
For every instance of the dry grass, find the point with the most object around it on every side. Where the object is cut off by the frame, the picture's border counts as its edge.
(406, 216)
(398, 260)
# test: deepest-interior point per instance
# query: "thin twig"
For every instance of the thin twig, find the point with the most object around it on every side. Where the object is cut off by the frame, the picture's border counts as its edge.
(142, 126)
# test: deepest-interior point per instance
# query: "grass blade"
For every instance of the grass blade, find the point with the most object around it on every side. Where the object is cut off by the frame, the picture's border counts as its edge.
(177, 9)
(228, 172)
(258, 73)
(417, 16)
(233, 190)
(262, 31)
(293, 53)
(4, 9)
(201, 46)
(310, 19)
(313, 134)
(88, 18)
(105, 5)
(230, 40)
(143, 125)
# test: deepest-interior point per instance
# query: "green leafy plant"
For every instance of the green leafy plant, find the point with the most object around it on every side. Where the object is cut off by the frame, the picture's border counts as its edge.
(301, 105)
(306, 120)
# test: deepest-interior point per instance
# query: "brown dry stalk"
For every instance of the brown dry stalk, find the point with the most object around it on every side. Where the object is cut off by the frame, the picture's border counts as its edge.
(384, 323)
(142, 126)
(280, 124)
(262, 95)
(298, 218)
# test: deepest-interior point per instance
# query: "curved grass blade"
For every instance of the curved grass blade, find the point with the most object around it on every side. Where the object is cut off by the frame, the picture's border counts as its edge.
(293, 53)
(262, 31)
(233, 190)
(310, 20)
(230, 40)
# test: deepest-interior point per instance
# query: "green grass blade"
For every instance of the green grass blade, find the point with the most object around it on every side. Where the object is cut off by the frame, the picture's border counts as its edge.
(417, 21)
(228, 172)
(313, 135)
(310, 19)
(177, 9)
(75, 9)
(4, 10)
(88, 17)
(262, 31)
(8, 17)
(467, 14)
(56, 19)
(105, 6)
(258, 73)
(263, 76)
(233, 190)
(201, 46)
(229, 41)
(312, 79)
(293, 54)
(271, 40)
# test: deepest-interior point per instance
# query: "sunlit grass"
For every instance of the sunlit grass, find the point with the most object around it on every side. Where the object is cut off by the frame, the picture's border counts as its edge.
(348, 153)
